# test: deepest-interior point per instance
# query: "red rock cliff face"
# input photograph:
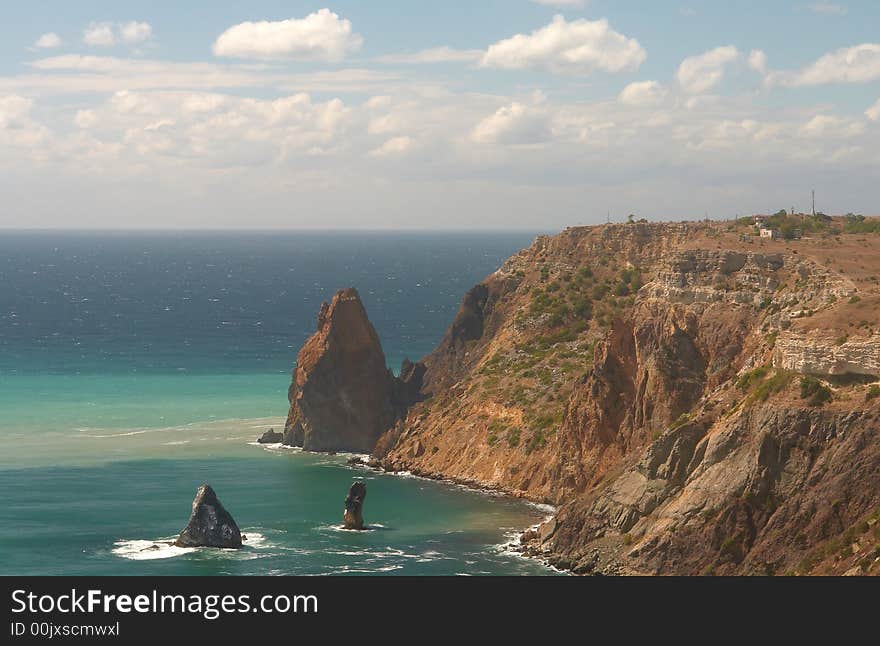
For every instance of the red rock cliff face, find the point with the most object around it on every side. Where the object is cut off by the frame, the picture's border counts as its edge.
(343, 397)
(677, 390)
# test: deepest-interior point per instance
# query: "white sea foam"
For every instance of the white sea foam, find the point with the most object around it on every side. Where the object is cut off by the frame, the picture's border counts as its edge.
(277, 447)
(141, 550)
(164, 548)
(372, 527)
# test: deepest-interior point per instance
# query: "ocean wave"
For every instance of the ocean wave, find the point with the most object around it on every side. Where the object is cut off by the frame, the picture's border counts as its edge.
(511, 547)
(277, 447)
(238, 424)
(164, 548)
(144, 550)
(372, 527)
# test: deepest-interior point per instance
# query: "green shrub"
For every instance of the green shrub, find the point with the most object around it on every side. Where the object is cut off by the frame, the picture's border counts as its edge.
(814, 391)
(750, 378)
(873, 392)
(860, 224)
(777, 383)
(536, 442)
(582, 307)
(513, 437)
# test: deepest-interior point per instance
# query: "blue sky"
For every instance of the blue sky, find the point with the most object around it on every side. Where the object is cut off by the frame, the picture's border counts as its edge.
(503, 113)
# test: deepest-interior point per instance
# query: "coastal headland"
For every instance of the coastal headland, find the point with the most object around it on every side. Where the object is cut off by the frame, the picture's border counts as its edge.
(696, 398)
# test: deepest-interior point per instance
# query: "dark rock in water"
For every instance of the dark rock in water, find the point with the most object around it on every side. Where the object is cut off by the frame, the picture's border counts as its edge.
(353, 517)
(271, 437)
(342, 396)
(210, 525)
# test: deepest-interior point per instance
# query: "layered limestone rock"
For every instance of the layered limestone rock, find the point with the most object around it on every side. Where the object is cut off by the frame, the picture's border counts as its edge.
(343, 397)
(828, 357)
(707, 276)
(210, 525)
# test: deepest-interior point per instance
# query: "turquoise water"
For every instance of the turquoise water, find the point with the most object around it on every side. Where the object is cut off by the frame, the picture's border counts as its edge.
(135, 367)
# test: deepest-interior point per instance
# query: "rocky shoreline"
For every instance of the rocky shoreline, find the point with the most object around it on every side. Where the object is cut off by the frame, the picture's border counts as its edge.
(692, 398)
(523, 546)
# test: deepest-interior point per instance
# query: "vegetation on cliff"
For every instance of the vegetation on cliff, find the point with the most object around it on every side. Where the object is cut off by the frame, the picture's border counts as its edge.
(680, 390)
(694, 399)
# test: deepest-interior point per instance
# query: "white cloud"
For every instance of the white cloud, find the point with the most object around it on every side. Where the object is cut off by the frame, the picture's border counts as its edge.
(433, 55)
(135, 32)
(320, 36)
(576, 47)
(393, 147)
(85, 118)
(17, 127)
(514, 124)
(562, 3)
(758, 61)
(828, 9)
(108, 34)
(214, 154)
(73, 73)
(13, 109)
(207, 129)
(831, 126)
(699, 74)
(99, 35)
(858, 64)
(48, 41)
(642, 93)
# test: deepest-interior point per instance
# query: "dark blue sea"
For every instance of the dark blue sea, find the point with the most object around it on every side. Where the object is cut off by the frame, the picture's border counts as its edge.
(135, 366)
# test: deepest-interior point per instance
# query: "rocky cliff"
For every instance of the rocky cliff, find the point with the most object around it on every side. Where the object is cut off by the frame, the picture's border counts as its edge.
(342, 396)
(694, 399)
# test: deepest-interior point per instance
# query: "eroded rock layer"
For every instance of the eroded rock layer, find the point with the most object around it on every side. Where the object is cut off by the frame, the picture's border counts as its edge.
(695, 399)
(343, 397)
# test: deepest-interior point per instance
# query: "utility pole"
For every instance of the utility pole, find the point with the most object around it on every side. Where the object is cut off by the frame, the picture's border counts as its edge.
(814, 202)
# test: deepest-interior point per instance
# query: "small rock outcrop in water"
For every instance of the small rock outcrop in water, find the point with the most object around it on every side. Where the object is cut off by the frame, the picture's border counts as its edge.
(271, 437)
(353, 517)
(343, 397)
(210, 525)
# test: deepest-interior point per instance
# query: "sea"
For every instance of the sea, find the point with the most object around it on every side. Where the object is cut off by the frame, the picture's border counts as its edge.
(136, 366)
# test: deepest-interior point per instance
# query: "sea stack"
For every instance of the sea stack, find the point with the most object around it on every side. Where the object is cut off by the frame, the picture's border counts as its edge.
(210, 525)
(343, 397)
(270, 437)
(353, 516)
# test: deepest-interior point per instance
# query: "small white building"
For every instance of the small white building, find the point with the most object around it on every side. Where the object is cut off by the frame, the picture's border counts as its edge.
(771, 234)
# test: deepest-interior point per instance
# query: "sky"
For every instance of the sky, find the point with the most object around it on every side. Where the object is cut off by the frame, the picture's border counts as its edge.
(393, 114)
